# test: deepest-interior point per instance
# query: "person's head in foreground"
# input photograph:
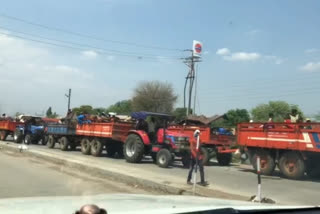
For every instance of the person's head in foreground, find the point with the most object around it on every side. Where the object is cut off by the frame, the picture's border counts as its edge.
(91, 209)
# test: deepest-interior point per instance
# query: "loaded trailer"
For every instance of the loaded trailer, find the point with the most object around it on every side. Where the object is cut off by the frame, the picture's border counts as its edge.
(292, 147)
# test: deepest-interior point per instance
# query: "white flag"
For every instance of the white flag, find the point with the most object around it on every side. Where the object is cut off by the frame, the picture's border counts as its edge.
(197, 48)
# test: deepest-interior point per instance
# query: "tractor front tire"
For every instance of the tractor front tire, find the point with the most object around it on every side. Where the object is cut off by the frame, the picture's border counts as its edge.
(133, 149)
(164, 158)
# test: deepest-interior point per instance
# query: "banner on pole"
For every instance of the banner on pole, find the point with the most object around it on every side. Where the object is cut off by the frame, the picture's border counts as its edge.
(197, 48)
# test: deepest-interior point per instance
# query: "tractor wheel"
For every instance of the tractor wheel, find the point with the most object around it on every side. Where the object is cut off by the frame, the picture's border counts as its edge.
(96, 147)
(17, 136)
(224, 159)
(3, 135)
(206, 156)
(292, 165)
(64, 143)
(27, 139)
(164, 158)
(85, 146)
(51, 142)
(186, 160)
(133, 149)
(267, 162)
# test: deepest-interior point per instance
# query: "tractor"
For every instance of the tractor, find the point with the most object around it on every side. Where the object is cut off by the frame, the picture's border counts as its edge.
(163, 146)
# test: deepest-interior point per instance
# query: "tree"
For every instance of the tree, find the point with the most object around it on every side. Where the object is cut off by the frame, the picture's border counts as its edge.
(232, 118)
(279, 109)
(49, 113)
(121, 107)
(154, 96)
(83, 109)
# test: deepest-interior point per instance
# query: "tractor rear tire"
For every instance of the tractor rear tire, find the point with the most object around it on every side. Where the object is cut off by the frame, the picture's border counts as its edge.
(96, 147)
(51, 142)
(64, 143)
(206, 156)
(224, 159)
(27, 139)
(292, 165)
(3, 135)
(267, 162)
(164, 158)
(85, 146)
(17, 136)
(133, 149)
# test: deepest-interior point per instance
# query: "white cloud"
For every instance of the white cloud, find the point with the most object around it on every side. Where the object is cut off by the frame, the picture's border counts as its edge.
(311, 67)
(89, 54)
(223, 51)
(311, 50)
(242, 56)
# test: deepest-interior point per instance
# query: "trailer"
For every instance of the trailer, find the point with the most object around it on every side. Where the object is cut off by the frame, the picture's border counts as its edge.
(91, 137)
(210, 142)
(292, 147)
(8, 127)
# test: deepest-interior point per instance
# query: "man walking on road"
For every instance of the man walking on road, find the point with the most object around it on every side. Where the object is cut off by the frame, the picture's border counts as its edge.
(196, 160)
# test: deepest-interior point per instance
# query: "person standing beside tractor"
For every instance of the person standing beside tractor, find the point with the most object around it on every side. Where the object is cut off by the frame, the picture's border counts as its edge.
(196, 161)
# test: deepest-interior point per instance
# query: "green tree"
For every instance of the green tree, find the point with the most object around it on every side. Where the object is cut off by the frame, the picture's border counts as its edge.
(49, 112)
(279, 109)
(232, 118)
(154, 96)
(121, 107)
(83, 109)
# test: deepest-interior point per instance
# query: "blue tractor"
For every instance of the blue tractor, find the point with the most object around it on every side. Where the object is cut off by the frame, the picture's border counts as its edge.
(31, 132)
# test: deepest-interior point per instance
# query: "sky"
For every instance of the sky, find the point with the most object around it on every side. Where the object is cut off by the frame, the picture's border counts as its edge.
(253, 52)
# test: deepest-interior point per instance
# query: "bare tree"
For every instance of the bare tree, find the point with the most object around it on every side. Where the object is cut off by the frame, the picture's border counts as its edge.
(154, 96)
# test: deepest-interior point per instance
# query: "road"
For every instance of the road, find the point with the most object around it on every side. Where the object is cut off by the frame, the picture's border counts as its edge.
(236, 179)
(26, 177)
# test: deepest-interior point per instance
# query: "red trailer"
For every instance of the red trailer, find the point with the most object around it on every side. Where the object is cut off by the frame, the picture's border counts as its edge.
(92, 138)
(8, 127)
(293, 147)
(211, 142)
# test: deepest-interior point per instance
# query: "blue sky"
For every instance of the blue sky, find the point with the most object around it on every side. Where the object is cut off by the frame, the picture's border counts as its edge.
(254, 52)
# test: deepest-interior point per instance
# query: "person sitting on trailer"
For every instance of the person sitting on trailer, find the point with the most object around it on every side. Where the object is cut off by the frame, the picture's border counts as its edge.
(309, 126)
(294, 116)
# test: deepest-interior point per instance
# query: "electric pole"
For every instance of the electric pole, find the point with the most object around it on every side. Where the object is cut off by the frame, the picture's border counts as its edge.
(190, 62)
(69, 98)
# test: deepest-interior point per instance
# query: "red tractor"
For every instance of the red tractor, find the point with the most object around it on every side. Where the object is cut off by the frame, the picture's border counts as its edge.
(161, 144)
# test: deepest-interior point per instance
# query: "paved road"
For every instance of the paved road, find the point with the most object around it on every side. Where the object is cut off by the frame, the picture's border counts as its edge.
(25, 177)
(237, 179)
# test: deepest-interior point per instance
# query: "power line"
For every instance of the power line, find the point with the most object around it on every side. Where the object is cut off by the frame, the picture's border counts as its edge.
(79, 48)
(86, 45)
(86, 35)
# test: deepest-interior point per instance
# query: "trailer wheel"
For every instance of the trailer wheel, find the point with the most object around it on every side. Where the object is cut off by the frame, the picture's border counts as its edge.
(292, 165)
(206, 156)
(3, 135)
(186, 160)
(133, 149)
(267, 162)
(64, 143)
(96, 147)
(27, 139)
(224, 159)
(85, 146)
(164, 158)
(51, 142)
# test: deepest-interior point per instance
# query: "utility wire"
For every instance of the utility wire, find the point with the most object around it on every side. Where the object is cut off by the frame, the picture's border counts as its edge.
(86, 45)
(86, 35)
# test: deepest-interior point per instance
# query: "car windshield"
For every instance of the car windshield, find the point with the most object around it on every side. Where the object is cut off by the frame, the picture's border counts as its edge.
(160, 98)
